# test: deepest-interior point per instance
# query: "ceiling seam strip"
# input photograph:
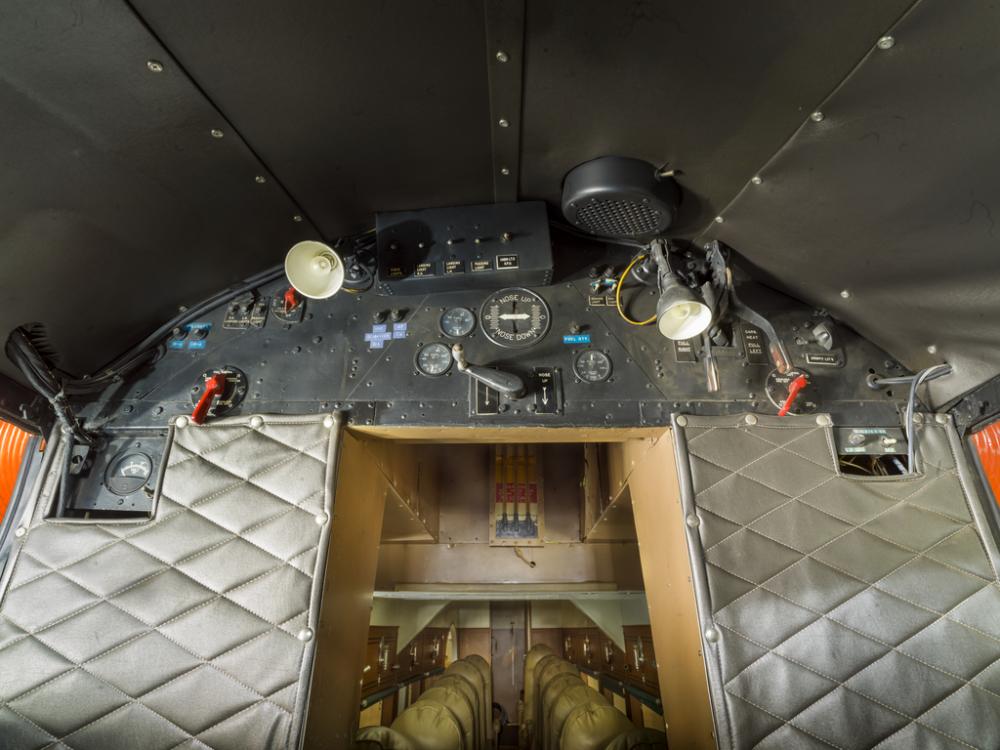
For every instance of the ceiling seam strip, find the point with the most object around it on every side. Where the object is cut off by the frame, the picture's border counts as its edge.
(504, 21)
(301, 214)
(703, 235)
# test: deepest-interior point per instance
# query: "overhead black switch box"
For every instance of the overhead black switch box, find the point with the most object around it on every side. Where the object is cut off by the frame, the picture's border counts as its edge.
(491, 246)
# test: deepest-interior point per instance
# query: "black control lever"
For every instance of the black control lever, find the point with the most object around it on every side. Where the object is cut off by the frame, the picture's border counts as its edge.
(501, 382)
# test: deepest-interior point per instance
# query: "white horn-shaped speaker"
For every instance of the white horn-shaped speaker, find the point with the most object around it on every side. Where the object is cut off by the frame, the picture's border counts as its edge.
(314, 269)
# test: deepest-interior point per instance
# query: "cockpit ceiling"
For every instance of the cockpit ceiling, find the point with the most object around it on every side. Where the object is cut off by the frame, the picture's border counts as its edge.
(119, 204)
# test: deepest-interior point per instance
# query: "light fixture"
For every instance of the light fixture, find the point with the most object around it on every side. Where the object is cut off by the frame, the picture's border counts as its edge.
(314, 269)
(679, 314)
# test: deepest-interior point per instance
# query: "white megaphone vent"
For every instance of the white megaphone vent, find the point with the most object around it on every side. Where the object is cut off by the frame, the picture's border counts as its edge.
(314, 269)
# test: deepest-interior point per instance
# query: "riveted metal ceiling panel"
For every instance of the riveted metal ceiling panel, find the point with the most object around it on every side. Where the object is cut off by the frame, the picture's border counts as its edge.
(710, 88)
(885, 211)
(359, 106)
(117, 203)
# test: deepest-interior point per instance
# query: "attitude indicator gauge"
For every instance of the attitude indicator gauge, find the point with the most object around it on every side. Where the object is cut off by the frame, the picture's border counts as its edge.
(514, 318)
(128, 473)
(592, 366)
(433, 360)
(457, 322)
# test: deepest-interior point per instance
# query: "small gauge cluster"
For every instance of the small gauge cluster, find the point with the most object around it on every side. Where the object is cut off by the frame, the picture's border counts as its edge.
(592, 366)
(119, 475)
(457, 322)
(433, 360)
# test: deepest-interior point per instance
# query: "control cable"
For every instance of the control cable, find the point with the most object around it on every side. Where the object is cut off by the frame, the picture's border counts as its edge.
(922, 377)
(618, 294)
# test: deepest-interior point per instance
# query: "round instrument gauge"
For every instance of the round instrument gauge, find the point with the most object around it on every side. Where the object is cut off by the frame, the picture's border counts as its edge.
(514, 318)
(592, 366)
(791, 392)
(457, 322)
(433, 360)
(128, 473)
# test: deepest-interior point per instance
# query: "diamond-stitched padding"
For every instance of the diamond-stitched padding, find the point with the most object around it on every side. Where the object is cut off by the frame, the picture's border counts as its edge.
(181, 631)
(850, 613)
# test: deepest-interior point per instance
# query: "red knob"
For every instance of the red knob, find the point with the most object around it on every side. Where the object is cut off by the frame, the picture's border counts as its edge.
(291, 299)
(794, 389)
(214, 386)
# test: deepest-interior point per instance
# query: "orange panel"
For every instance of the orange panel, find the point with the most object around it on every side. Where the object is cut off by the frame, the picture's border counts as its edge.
(987, 442)
(13, 441)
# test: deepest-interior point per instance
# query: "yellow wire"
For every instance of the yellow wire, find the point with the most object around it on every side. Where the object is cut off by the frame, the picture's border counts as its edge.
(618, 295)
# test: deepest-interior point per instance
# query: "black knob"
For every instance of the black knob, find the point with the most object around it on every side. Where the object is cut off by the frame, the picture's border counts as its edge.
(397, 315)
(575, 328)
(379, 316)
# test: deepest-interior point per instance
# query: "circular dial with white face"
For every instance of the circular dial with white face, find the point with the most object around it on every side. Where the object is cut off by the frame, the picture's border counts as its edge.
(433, 360)
(514, 318)
(457, 322)
(592, 366)
(128, 473)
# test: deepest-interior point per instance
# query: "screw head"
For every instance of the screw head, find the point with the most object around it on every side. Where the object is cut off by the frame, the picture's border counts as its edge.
(504, 171)
(502, 56)
(886, 42)
(503, 122)
(297, 218)
(751, 419)
(181, 422)
(305, 634)
(681, 421)
(932, 349)
(845, 294)
(712, 635)
(719, 219)
(817, 116)
(216, 133)
(693, 521)
(256, 422)
(823, 420)
(942, 418)
(260, 179)
(756, 179)
(20, 531)
(155, 66)
(328, 422)
(321, 518)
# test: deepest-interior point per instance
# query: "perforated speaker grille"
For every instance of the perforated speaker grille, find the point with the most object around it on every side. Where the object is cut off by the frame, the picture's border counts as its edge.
(618, 218)
(615, 196)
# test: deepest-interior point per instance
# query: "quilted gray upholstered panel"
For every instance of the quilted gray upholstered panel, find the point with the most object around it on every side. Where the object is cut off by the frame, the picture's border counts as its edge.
(840, 611)
(190, 630)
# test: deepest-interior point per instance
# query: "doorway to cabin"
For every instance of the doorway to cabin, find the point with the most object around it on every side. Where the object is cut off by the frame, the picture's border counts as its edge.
(510, 540)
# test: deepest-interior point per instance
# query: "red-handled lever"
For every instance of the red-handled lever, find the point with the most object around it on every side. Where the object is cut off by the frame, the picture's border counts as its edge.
(291, 299)
(214, 386)
(794, 389)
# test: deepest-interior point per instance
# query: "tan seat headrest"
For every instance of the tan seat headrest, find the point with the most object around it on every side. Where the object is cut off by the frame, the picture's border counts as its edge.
(430, 726)
(592, 726)
(380, 738)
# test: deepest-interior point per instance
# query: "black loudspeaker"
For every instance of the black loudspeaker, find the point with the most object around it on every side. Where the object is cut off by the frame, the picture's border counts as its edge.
(619, 197)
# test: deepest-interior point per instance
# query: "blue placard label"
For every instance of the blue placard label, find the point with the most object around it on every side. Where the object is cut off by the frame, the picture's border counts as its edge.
(577, 338)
